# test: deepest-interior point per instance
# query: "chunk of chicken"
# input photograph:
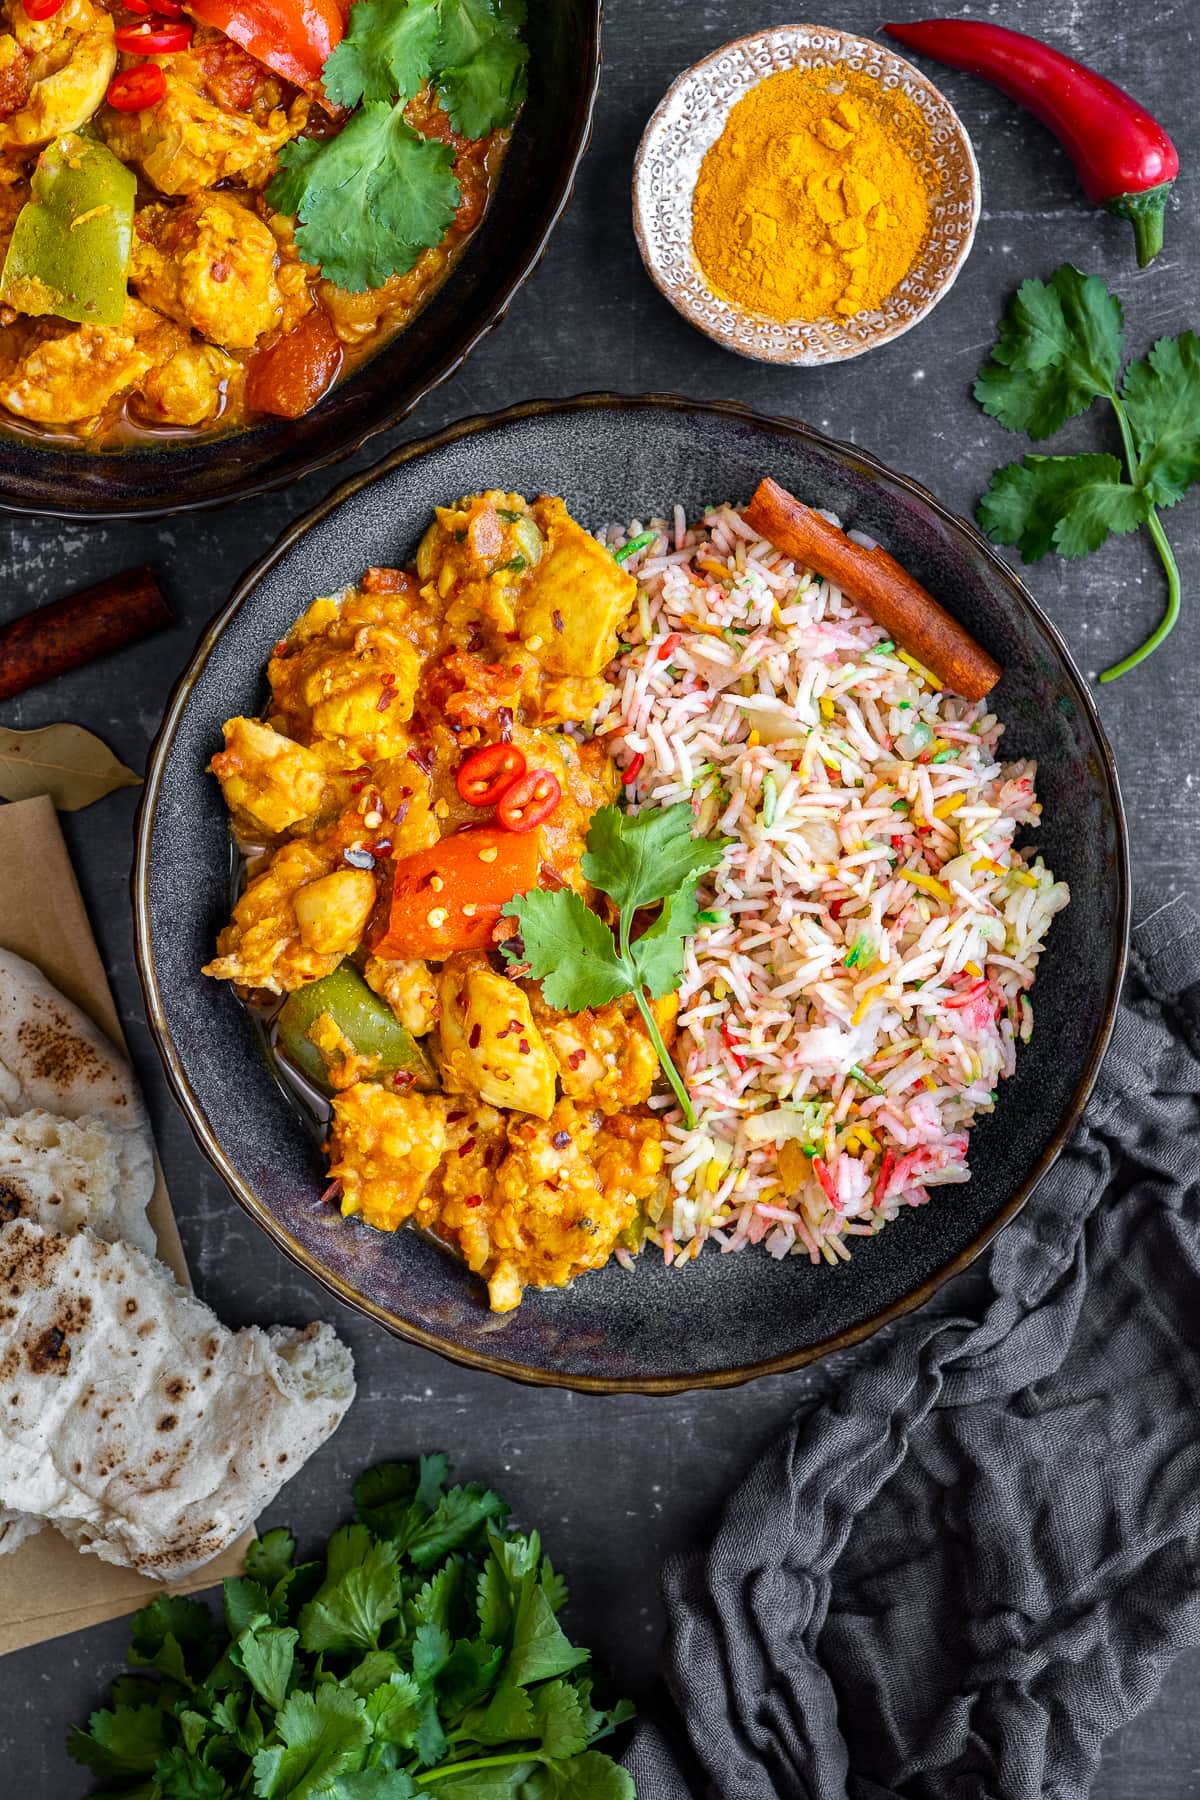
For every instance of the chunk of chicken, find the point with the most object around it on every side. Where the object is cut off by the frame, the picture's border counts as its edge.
(408, 987)
(69, 377)
(384, 1148)
(261, 947)
(605, 1057)
(269, 782)
(210, 264)
(332, 912)
(70, 59)
(193, 387)
(348, 674)
(186, 142)
(569, 609)
(489, 1043)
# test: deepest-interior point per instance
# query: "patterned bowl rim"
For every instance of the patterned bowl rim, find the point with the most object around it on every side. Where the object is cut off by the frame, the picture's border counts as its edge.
(725, 329)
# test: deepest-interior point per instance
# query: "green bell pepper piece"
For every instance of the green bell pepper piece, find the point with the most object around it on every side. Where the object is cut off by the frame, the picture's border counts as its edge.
(70, 247)
(362, 1017)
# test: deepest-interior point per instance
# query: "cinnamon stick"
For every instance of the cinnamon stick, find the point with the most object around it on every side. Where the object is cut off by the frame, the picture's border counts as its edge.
(876, 582)
(77, 629)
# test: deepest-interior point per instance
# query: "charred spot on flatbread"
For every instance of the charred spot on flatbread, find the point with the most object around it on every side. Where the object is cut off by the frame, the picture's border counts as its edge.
(50, 1352)
(12, 1202)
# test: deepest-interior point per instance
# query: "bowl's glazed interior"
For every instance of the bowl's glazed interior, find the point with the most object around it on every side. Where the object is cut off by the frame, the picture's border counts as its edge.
(37, 475)
(726, 1317)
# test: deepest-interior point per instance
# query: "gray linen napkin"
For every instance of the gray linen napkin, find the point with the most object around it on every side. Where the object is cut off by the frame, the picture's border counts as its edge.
(954, 1576)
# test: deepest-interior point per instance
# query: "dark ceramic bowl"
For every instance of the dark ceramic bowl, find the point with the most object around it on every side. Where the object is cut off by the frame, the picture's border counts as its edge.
(727, 1317)
(535, 185)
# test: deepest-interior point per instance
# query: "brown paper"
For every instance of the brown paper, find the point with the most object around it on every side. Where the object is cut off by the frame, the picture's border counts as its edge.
(47, 1587)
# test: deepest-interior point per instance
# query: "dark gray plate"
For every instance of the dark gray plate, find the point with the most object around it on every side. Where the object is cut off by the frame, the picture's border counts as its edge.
(728, 1317)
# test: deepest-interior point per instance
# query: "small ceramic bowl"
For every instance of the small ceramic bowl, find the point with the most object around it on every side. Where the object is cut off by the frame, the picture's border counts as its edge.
(690, 119)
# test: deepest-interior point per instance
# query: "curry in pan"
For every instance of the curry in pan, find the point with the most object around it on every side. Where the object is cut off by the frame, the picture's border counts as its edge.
(208, 215)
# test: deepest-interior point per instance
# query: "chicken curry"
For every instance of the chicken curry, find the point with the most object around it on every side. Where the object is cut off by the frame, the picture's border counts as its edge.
(420, 762)
(210, 213)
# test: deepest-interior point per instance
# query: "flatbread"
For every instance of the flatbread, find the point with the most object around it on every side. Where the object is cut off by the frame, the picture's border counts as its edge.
(133, 1420)
(53, 1059)
(64, 1174)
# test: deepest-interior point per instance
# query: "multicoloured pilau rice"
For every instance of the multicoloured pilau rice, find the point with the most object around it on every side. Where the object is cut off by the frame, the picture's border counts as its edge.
(861, 977)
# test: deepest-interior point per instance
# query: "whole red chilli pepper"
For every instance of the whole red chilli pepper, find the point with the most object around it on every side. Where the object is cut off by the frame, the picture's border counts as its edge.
(1124, 159)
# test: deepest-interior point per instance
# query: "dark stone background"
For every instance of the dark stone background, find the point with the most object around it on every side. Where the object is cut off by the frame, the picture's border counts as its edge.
(614, 1484)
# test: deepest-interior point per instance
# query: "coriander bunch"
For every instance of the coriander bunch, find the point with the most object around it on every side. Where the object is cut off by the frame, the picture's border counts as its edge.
(1060, 347)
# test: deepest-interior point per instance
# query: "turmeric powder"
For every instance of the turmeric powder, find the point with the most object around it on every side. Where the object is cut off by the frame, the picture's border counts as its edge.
(814, 201)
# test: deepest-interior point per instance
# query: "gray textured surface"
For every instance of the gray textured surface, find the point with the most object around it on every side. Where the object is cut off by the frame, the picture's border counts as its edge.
(613, 1482)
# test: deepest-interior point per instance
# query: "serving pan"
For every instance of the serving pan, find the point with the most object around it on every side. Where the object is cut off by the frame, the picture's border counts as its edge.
(726, 1318)
(52, 477)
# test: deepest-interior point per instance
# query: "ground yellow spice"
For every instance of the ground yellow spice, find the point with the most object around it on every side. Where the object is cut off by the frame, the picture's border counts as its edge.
(814, 201)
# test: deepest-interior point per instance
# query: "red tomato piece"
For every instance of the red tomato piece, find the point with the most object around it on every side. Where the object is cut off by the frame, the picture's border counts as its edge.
(151, 39)
(488, 773)
(41, 9)
(290, 376)
(161, 9)
(133, 90)
(529, 801)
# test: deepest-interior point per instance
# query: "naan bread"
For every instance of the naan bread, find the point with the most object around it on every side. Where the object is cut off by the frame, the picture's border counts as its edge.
(64, 1174)
(132, 1419)
(53, 1059)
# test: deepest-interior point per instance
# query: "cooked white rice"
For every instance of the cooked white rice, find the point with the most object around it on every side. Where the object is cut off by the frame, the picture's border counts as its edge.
(860, 986)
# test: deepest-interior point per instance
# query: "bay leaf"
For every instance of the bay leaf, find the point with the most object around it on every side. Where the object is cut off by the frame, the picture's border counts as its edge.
(71, 765)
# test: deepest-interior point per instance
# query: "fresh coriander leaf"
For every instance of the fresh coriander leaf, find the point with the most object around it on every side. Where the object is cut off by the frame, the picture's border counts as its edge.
(237, 1716)
(376, 1667)
(370, 199)
(1067, 503)
(434, 1473)
(507, 1718)
(430, 1652)
(324, 1735)
(125, 1741)
(553, 1586)
(1059, 347)
(495, 1601)
(390, 48)
(384, 1485)
(569, 949)
(181, 1776)
(599, 1724)
(658, 955)
(176, 1636)
(540, 1646)
(1161, 396)
(394, 1709)
(469, 1674)
(193, 1728)
(482, 63)
(439, 1600)
(559, 1720)
(374, 1784)
(592, 1776)
(455, 1522)
(430, 1740)
(642, 858)
(244, 1602)
(267, 1657)
(270, 1557)
(359, 1595)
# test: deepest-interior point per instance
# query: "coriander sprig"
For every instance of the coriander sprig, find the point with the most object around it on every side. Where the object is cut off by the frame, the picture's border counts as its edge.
(639, 861)
(422, 1655)
(1060, 348)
